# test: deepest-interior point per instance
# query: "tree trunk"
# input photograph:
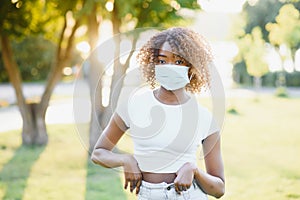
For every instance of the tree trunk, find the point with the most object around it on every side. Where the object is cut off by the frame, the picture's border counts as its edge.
(100, 115)
(95, 71)
(34, 128)
(120, 73)
(118, 69)
(281, 79)
(33, 115)
(257, 82)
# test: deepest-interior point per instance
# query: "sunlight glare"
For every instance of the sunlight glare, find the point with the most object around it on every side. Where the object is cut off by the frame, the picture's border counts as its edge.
(83, 47)
(109, 6)
(230, 6)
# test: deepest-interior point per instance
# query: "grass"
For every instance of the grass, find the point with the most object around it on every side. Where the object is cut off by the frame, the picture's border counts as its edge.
(60, 170)
(260, 147)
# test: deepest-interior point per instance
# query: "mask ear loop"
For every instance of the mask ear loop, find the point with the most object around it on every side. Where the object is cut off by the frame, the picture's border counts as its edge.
(191, 76)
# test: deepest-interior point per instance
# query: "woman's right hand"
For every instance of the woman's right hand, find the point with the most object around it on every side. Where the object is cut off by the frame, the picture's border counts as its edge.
(133, 174)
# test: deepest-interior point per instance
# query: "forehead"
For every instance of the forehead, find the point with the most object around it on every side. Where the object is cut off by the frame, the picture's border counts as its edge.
(166, 47)
(167, 51)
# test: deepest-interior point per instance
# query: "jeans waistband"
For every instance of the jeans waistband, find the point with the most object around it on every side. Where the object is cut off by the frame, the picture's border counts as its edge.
(162, 185)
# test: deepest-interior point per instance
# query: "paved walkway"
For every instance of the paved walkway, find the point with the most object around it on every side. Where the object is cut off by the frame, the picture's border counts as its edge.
(61, 109)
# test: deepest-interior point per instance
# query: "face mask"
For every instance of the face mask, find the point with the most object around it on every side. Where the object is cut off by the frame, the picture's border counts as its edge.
(172, 77)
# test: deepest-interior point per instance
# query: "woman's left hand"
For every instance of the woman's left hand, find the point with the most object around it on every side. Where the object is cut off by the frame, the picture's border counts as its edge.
(185, 176)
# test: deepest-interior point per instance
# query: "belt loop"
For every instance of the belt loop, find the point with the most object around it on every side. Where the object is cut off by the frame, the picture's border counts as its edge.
(166, 193)
(194, 184)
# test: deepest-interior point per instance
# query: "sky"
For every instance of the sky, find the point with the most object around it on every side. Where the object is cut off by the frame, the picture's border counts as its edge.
(222, 6)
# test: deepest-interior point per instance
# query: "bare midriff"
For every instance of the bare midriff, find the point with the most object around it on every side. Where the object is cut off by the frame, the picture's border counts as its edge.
(158, 177)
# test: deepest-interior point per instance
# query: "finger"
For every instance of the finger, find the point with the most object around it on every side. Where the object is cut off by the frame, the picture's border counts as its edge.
(177, 188)
(186, 187)
(138, 185)
(132, 186)
(180, 188)
(126, 184)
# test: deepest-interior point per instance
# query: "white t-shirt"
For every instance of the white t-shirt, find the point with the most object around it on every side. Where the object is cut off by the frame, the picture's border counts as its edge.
(165, 136)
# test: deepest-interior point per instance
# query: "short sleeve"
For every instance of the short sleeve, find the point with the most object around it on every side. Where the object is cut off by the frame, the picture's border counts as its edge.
(122, 110)
(214, 127)
(208, 125)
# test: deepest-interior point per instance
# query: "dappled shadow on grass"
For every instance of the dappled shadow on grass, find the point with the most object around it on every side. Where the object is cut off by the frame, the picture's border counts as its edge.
(103, 183)
(14, 174)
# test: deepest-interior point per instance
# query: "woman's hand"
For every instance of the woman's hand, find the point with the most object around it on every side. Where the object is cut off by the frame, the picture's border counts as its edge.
(185, 176)
(132, 172)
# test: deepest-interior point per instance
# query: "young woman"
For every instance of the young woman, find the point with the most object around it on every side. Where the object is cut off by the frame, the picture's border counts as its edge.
(167, 124)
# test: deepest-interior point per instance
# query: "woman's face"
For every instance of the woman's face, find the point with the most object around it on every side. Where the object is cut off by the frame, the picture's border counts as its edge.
(165, 56)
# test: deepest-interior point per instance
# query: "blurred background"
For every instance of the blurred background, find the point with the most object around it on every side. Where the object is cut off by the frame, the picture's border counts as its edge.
(64, 65)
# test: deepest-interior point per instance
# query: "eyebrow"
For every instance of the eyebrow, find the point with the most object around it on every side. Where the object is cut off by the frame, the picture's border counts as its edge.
(178, 56)
(162, 55)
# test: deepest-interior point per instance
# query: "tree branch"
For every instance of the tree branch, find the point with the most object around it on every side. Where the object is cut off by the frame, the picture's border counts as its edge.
(61, 38)
(55, 74)
(13, 72)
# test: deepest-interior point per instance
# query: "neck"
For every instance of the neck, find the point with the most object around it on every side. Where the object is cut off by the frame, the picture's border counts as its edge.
(173, 97)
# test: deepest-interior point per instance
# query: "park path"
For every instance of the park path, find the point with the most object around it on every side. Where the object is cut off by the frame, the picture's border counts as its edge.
(60, 110)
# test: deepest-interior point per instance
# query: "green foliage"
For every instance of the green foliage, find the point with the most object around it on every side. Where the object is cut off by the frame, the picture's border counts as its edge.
(280, 25)
(281, 92)
(147, 13)
(240, 74)
(260, 14)
(286, 30)
(252, 50)
(233, 111)
(269, 80)
(256, 65)
(34, 56)
(19, 18)
(34, 27)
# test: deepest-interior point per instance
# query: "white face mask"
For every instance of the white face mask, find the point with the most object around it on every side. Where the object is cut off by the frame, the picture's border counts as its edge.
(172, 77)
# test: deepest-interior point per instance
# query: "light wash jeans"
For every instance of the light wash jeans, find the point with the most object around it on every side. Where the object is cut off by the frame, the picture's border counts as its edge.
(161, 191)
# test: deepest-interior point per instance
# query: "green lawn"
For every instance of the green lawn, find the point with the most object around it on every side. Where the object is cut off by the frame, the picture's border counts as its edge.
(261, 147)
(61, 170)
(260, 144)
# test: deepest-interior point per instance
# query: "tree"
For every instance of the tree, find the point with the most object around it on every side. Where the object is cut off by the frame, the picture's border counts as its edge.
(260, 14)
(252, 50)
(18, 19)
(34, 56)
(286, 30)
(263, 14)
(127, 17)
(285, 34)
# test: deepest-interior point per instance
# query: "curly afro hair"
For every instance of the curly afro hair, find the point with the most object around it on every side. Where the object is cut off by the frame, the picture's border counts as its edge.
(187, 44)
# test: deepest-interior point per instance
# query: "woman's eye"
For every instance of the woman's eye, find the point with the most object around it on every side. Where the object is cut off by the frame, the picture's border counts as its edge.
(161, 61)
(178, 62)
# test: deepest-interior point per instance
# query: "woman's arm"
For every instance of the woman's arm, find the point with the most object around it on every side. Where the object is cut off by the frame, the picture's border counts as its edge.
(103, 155)
(212, 181)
